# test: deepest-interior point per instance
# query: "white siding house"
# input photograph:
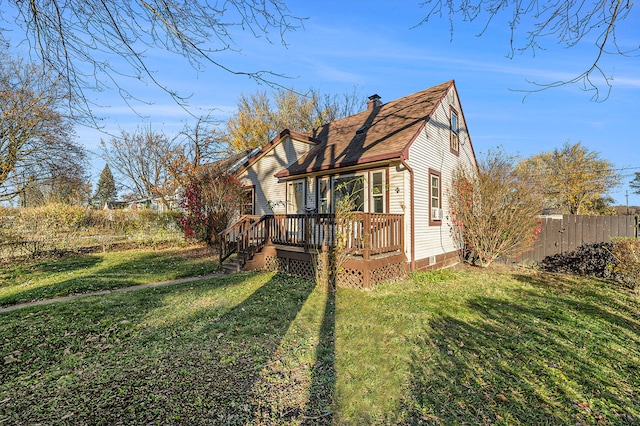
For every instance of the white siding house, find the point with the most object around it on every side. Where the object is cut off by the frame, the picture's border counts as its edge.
(398, 157)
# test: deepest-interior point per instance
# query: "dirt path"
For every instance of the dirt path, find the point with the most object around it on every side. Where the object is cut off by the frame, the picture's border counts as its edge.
(97, 293)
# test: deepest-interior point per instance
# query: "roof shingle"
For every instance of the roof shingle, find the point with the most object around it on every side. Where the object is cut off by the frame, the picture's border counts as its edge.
(381, 133)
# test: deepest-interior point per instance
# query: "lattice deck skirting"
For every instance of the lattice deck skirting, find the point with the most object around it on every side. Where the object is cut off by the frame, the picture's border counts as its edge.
(298, 267)
(355, 273)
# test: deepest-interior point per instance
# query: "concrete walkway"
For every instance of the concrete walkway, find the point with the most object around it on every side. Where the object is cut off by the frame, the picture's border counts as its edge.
(97, 293)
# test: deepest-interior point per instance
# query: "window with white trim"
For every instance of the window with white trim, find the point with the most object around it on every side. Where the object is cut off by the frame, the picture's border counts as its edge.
(351, 186)
(455, 138)
(248, 205)
(324, 195)
(377, 192)
(435, 198)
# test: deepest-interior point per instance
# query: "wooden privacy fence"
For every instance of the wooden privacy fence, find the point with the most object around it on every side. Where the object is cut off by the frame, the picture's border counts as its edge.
(567, 233)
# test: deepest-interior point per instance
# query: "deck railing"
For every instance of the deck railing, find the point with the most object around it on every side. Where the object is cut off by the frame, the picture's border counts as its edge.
(229, 237)
(362, 234)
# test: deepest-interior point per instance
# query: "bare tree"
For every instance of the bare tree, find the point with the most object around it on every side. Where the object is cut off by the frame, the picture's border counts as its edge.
(79, 39)
(566, 22)
(202, 142)
(138, 158)
(35, 137)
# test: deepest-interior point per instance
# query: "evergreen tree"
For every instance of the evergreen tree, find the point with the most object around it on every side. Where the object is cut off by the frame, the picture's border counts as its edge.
(106, 189)
(635, 184)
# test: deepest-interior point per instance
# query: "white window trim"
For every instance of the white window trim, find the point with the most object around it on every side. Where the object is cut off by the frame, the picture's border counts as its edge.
(382, 194)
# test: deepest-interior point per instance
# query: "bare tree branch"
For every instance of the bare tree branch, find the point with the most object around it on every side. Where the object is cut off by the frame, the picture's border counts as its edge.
(94, 46)
(568, 22)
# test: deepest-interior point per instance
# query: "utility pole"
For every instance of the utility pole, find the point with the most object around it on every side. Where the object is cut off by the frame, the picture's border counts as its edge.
(627, 195)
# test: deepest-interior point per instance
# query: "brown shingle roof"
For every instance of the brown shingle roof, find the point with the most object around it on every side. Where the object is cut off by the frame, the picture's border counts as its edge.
(381, 133)
(232, 163)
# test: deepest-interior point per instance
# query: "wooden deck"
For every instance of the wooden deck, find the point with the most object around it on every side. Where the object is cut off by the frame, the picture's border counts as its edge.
(374, 242)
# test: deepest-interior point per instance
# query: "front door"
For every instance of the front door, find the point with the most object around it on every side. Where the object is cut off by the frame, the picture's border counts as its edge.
(295, 197)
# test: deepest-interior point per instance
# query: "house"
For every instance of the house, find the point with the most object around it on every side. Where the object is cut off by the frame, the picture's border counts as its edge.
(155, 204)
(397, 158)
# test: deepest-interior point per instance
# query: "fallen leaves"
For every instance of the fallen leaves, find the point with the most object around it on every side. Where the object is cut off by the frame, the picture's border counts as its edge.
(501, 397)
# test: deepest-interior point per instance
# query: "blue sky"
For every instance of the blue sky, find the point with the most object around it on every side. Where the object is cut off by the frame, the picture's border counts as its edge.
(374, 46)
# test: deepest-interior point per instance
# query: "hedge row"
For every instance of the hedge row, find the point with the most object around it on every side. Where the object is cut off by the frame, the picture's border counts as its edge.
(64, 227)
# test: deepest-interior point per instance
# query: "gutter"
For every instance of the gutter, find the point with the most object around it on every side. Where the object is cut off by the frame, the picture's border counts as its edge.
(411, 216)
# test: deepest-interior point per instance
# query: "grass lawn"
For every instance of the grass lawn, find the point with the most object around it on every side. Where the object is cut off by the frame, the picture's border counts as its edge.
(28, 281)
(459, 347)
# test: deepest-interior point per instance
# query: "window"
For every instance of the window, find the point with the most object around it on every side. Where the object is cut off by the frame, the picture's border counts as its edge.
(377, 192)
(455, 140)
(324, 195)
(435, 198)
(295, 197)
(248, 205)
(351, 187)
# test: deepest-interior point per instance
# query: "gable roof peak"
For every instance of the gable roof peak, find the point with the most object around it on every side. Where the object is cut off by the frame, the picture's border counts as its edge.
(380, 133)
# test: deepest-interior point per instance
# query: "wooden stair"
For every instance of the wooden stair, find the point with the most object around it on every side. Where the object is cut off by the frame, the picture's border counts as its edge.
(231, 265)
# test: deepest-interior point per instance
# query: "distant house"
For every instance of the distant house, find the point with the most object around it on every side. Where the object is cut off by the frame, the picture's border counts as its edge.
(397, 158)
(155, 204)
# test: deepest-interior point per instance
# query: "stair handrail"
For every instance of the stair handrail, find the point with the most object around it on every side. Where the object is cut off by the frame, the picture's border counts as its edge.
(229, 236)
(244, 248)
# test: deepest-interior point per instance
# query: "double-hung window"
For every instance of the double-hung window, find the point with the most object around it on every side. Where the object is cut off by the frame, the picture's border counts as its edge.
(435, 198)
(249, 201)
(455, 137)
(377, 192)
(324, 195)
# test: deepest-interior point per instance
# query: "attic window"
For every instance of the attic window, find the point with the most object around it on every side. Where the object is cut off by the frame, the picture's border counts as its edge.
(362, 129)
(455, 140)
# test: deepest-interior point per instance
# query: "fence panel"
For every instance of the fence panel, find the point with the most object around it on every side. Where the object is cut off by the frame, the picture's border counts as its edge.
(562, 235)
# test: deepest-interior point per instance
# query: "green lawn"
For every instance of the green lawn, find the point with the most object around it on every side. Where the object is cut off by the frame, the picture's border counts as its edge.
(460, 347)
(25, 282)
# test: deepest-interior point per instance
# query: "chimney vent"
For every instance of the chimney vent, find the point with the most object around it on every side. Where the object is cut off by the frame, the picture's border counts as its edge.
(374, 102)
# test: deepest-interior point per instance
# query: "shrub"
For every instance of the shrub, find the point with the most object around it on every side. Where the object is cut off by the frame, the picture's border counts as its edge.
(627, 255)
(493, 210)
(60, 228)
(594, 259)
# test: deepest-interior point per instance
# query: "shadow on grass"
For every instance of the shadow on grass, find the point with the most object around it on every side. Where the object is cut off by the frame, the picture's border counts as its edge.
(151, 267)
(549, 359)
(609, 296)
(67, 264)
(321, 395)
(199, 367)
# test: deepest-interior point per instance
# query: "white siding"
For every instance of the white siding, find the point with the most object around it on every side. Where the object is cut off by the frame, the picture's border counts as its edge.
(431, 150)
(271, 193)
(399, 200)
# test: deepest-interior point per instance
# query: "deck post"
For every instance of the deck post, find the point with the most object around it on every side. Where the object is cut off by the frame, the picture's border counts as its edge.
(306, 231)
(366, 236)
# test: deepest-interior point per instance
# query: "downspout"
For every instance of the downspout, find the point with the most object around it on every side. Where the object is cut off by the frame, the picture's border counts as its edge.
(411, 216)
